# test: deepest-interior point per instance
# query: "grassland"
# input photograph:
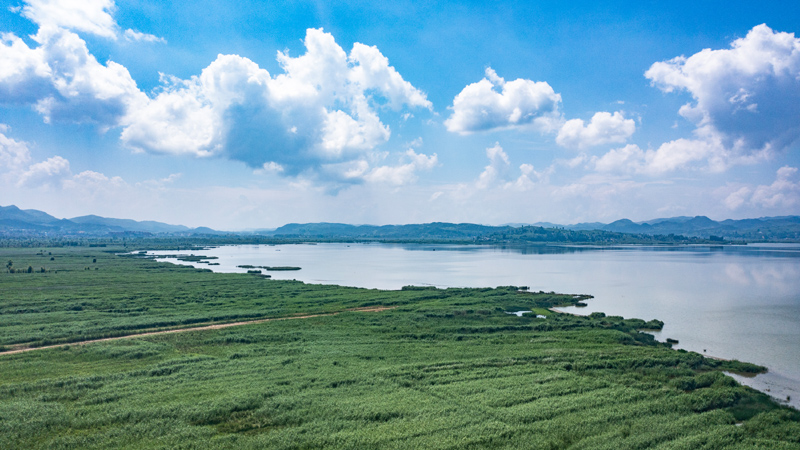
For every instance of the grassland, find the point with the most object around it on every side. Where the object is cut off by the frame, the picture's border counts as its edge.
(442, 369)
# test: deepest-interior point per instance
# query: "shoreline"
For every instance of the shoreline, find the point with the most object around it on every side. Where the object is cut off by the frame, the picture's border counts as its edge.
(698, 347)
(782, 389)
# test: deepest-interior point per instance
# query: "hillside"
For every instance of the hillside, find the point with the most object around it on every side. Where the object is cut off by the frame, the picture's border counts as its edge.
(763, 229)
(30, 222)
(436, 230)
(16, 222)
(475, 233)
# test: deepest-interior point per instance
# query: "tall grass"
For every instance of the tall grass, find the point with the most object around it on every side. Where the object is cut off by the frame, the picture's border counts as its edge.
(445, 369)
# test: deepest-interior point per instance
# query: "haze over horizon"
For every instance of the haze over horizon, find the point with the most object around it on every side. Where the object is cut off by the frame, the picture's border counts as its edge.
(243, 115)
(93, 218)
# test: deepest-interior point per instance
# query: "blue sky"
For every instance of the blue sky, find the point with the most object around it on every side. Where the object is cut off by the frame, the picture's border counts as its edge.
(240, 115)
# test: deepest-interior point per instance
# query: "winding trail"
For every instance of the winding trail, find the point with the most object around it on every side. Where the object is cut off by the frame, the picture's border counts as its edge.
(215, 326)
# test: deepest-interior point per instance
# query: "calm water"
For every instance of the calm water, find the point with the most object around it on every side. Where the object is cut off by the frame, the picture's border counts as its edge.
(739, 302)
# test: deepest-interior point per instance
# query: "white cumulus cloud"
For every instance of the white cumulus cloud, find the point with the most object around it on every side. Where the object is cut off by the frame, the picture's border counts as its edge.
(63, 81)
(371, 70)
(603, 128)
(90, 16)
(13, 154)
(746, 99)
(49, 173)
(668, 157)
(319, 117)
(86, 16)
(497, 169)
(783, 193)
(737, 198)
(403, 173)
(495, 104)
(498, 173)
(92, 181)
(626, 159)
(53, 173)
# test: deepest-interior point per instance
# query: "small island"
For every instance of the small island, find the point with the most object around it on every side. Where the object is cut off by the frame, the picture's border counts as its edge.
(272, 268)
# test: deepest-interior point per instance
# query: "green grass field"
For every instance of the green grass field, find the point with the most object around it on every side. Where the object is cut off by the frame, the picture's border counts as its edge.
(443, 369)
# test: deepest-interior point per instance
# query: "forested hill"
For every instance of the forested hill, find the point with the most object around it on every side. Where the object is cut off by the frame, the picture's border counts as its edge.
(533, 234)
(786, 228)
(436, 230)
(30, 222)
(16, 222)
(772, 229)
(474, 233)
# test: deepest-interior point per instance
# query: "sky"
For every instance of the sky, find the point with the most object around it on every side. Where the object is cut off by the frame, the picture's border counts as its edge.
(245, 114)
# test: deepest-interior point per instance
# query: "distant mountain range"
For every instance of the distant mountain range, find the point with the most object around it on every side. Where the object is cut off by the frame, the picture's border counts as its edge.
(19, 222)
(436, 230)
(502, 235)
(764, 229)
(29, 222)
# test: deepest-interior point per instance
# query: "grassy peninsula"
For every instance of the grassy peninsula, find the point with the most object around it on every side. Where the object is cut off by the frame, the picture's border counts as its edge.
(443, 368)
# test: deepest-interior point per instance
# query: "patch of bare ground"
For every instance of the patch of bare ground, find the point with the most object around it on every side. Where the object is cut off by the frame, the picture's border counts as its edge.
(216, 326)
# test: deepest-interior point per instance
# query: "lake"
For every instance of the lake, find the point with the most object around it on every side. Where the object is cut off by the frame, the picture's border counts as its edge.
(732, 302)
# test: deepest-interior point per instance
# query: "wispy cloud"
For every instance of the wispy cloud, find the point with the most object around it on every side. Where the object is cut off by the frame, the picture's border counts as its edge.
(784, 192)
(133, 35)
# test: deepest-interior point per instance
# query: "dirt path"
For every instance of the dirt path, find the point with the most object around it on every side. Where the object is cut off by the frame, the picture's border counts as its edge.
(200, 328)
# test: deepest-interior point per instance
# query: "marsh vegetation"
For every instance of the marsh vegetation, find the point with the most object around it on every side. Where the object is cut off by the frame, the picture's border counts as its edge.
(445, 368)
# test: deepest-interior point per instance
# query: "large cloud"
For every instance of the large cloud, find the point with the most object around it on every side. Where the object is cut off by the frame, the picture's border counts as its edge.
(746, 107)
(746, 97)
(604, 128)
(318, 117)
(63, 81)
(495, 104)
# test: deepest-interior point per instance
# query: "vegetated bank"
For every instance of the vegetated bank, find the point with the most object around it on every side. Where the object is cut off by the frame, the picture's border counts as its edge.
(447, 368)
(431, 233)
(479, 234)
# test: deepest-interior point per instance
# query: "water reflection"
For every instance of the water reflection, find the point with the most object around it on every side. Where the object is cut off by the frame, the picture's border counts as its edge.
(780, 277)
(751, 250)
